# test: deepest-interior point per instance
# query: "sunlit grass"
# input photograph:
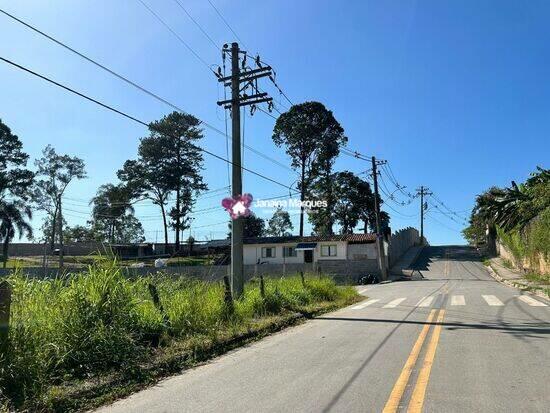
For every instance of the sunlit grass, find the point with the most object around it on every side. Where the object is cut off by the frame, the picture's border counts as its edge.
(98, 321)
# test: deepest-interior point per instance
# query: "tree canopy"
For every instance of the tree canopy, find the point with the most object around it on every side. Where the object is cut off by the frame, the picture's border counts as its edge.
(56, 172)
(253, 226)
(173, 162)
(312, 138)
(279, 224)
(15, 184)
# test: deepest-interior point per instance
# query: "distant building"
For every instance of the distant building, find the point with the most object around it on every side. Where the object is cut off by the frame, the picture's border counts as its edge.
(310, 249)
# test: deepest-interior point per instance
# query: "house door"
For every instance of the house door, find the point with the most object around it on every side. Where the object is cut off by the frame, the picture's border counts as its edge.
(308, 256)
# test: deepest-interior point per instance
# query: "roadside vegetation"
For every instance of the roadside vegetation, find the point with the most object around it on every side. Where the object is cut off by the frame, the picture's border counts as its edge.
(80, 341)
(518, 218)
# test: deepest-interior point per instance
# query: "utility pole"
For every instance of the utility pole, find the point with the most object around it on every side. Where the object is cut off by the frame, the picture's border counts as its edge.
(249, 78)
(379, 235)
(422, 191)
(61, 258)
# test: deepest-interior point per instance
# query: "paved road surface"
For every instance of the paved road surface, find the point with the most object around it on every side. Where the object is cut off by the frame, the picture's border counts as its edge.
(457, 341)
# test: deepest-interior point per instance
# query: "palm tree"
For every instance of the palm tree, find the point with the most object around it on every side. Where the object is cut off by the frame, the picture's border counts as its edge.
(13, 215)
(485, 210)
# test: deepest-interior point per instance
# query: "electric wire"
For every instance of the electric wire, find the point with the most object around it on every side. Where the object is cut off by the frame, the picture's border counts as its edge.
(226, 23)
(141, 88)
(196, 24)
(176, 35)
(130, 117)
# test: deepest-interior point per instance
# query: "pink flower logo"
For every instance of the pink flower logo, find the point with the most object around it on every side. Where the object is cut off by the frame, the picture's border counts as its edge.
(238, 205)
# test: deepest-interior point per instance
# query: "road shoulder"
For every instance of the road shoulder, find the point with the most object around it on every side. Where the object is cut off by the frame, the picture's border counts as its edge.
(513, 279)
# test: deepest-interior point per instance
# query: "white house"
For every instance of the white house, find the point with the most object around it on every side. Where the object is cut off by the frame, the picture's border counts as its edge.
(311, 249)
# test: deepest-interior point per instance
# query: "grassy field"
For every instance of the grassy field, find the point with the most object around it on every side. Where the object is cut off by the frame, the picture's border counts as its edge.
(79, 342)
(81, 261)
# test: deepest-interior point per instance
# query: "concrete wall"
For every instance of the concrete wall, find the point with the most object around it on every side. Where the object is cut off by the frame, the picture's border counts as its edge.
(541, 265)
(253, 252)
(344, 271)
(31, 249)
(400, 242)
(361, 252)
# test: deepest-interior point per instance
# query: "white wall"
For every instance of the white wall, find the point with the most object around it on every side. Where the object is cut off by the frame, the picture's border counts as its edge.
(362, 251)
(340, 251)
(253, 252)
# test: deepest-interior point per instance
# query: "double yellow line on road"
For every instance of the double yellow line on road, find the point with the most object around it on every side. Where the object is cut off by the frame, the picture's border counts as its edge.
(417, 399)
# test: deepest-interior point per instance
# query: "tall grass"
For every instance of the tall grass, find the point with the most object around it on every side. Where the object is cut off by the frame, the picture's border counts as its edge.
(94, 322)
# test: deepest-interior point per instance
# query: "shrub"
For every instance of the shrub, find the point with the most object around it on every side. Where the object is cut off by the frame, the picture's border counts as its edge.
(92, 322)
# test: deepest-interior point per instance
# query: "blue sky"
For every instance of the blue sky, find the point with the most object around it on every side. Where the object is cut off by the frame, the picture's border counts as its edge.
(454, 94)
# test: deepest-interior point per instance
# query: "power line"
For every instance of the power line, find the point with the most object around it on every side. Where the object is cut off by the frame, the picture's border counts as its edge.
(441, 223)
(439, 201)
(445, 214)
(176, 35)
(196, 24)
(391, 196)
(388, 171)
(226, 23)
(130, 117)
(135, 85)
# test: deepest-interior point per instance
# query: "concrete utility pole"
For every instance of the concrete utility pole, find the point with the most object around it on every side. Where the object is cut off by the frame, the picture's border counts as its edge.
(422, 191)
(379, 235)
(237, 272)
(249, 78)
(61, 256)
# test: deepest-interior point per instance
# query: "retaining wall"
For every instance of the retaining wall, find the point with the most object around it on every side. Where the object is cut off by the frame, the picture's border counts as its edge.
(343, 271)
(400, 242)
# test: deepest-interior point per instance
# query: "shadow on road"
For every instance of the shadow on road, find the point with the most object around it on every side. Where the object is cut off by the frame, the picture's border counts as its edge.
(431, 254)
(525, 329)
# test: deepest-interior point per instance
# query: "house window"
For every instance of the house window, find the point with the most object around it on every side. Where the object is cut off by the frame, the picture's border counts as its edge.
(328, 250)
(289, 251)
(268, 252)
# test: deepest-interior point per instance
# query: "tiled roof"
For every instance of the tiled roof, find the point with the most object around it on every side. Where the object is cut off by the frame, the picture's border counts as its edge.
(351, 238)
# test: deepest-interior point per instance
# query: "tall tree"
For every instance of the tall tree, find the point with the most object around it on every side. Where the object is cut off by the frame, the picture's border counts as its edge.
(312, 137)
(348, 200)
(113, 214)
(15, 184)
(279, 224)
(353, 202)
(175, 137)
(80, 233)
(145, 178)
(253, 227)
(56, 172)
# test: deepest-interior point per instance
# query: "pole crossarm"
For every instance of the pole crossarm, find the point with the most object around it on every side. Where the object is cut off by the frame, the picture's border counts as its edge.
(251, 102)
(245, 76)
(250, 78)
(243, 100)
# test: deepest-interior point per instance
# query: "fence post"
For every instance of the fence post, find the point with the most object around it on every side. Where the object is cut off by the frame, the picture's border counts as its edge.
(262, 286)
(156, 301)
(228, 297)
(5, 302)
(303, 279)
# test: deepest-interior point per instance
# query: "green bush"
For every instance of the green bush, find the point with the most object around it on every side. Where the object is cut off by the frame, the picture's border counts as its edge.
(530, 243)
(97, 321)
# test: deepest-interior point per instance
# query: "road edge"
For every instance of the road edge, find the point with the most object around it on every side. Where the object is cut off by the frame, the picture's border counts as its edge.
(493, 273)
(99, 395)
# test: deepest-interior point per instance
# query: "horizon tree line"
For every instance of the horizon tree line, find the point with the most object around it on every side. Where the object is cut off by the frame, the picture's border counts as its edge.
(168, 168)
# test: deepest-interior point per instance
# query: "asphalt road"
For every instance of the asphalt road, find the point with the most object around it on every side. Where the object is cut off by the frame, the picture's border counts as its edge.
(457, 341)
